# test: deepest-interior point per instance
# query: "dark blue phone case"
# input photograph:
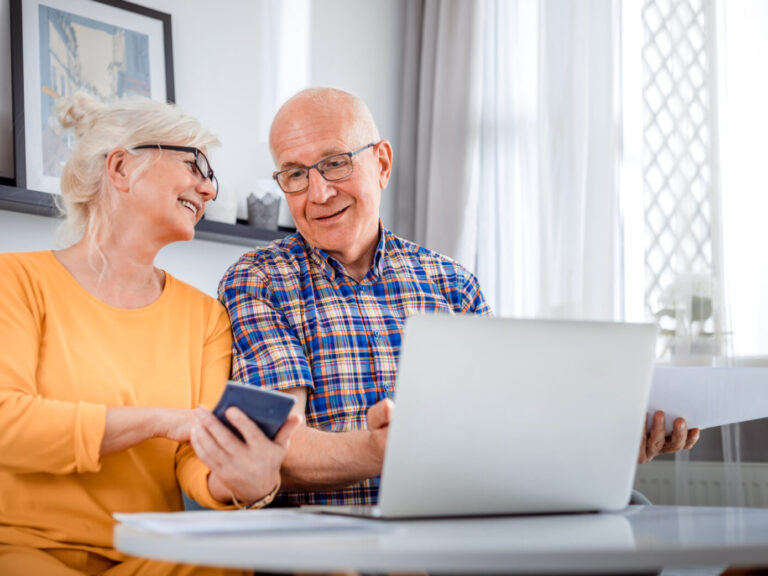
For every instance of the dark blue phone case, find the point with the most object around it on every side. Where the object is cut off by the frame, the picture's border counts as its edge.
(268, 408)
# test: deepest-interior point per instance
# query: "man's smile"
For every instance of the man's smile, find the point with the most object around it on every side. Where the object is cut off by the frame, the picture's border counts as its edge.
(332, 215)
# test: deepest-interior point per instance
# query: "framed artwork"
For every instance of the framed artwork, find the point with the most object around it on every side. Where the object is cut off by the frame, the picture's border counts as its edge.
(108, 48)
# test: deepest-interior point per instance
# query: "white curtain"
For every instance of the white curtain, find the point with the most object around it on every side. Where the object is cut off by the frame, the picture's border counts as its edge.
(513, 151)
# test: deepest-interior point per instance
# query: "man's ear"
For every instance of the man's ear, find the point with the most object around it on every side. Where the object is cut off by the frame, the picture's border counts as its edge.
(119, 164)
(384, 158)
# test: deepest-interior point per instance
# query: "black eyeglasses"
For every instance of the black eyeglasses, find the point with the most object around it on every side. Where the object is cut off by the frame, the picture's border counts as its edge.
(201, 162)
(336, 167)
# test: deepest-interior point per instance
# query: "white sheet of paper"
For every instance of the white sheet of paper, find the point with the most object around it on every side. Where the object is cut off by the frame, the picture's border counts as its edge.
(241, 521)
(707, 396)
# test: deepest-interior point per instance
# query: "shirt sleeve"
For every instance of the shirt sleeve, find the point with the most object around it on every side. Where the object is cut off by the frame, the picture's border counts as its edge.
(474, 301)
(267, 350)
(37, 434)
(217, 351)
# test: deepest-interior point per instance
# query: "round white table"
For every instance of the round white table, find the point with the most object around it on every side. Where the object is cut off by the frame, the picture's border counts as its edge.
(639, 538)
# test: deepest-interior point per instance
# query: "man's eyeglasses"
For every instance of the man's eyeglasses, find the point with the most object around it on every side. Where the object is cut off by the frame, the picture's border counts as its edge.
(201, 162)
(336, 167)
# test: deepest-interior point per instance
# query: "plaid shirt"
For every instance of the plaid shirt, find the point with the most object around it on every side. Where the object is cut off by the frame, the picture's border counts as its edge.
(299, 320)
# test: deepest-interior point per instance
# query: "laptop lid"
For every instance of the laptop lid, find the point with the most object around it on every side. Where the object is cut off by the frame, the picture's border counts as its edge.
(503, 416)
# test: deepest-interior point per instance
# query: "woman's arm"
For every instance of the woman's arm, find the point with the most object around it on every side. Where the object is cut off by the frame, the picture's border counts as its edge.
(62, 435)
(217, 466)
(127, 426)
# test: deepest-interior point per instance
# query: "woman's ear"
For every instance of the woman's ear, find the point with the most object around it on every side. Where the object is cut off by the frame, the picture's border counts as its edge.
(119, 165)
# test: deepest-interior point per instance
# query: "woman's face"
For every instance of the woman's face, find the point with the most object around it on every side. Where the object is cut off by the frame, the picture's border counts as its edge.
(170, 195)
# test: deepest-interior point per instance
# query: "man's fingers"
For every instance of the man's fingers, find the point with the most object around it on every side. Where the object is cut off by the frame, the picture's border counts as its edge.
(283, 436)
(380, 414)
(250, 431)
(679, 436)
(654, 441)
(225, 440)
(693, 437)
(205, 446)
(642, 457)
(656, 438)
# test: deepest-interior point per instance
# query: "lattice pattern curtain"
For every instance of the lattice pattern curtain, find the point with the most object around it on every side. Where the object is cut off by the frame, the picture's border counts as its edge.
(680, 176)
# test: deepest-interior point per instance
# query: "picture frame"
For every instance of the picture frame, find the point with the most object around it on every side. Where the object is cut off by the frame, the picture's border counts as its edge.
(109, 48)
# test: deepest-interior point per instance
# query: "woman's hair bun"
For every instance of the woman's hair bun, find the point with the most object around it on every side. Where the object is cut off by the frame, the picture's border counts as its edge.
(79, 112)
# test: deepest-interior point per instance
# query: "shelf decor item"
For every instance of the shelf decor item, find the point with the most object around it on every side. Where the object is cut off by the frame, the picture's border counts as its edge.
(263, 210)
(108, 48)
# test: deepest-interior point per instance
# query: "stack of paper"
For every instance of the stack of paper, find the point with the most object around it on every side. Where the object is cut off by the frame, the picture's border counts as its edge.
(241, 521)
(707, 396)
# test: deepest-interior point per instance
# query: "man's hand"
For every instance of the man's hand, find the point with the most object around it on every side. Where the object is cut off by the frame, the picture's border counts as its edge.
(379, 417)
(247, 470)
(324, 460)
(654, 442)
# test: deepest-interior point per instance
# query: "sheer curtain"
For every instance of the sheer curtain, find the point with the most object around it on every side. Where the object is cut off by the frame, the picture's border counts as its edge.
(510, 149)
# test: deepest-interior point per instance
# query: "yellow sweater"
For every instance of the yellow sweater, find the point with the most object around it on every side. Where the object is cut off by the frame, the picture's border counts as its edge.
(64, 357)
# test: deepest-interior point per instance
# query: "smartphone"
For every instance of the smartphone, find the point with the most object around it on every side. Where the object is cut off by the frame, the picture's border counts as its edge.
(267, 408)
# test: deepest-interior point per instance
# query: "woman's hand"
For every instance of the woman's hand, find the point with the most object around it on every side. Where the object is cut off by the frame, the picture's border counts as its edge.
(247, 470)
(127, 426)
(175, 424)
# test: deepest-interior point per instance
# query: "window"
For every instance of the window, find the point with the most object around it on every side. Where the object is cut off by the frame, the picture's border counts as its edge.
(687, 260)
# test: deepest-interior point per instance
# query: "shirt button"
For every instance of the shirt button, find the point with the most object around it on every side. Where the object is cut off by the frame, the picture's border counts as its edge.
(376, 334)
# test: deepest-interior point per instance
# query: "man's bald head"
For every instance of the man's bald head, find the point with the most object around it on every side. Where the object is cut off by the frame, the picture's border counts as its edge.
(339, 215)
(317, 101)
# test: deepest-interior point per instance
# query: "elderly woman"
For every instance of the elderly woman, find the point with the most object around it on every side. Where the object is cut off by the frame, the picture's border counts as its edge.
(104, 357)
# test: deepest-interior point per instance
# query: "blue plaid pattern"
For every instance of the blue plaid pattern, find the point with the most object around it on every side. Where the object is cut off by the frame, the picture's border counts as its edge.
(299, 320)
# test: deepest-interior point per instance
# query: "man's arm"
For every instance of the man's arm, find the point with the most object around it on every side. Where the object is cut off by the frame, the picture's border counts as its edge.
(269, 352)
(318, 460)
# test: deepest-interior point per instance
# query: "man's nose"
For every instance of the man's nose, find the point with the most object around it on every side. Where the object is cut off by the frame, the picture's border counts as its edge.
(319, 189)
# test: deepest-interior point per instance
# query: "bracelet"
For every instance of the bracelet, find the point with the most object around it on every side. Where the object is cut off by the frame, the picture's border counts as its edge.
(260, 503)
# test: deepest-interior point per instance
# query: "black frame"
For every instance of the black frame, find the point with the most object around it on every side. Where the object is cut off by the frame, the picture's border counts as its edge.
(17, 74)
(14, 195)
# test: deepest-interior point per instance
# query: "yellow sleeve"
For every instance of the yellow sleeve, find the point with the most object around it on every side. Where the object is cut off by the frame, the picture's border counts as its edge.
(217, 364)
(37, 434)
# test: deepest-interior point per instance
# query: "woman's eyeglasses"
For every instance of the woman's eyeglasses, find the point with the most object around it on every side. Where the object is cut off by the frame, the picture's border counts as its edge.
(201, 161)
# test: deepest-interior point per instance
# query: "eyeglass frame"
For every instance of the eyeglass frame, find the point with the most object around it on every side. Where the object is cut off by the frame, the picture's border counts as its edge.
(191, 150)
(352, 154)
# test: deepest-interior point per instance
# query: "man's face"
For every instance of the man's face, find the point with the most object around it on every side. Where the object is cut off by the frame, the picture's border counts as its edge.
(339, 217)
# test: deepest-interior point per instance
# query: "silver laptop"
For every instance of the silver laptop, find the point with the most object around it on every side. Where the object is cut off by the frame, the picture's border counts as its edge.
(508, 416)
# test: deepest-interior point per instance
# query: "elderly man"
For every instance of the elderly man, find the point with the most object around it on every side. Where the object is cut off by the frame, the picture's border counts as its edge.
(319, 314)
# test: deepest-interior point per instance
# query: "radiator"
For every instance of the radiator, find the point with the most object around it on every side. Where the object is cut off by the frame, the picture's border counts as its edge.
(704, 483)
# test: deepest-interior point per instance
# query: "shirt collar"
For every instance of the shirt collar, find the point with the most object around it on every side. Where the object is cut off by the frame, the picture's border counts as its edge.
(333, 267)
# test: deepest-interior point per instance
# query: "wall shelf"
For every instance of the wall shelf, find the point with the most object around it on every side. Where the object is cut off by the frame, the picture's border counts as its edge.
(42, 204)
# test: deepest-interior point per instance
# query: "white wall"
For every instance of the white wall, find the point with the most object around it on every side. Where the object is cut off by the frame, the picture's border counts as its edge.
(216, 63)
(363, 55)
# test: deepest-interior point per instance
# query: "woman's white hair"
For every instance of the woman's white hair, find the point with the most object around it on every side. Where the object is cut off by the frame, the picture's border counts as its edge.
(87, 196)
